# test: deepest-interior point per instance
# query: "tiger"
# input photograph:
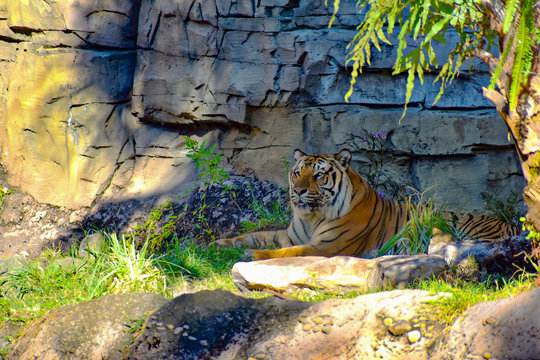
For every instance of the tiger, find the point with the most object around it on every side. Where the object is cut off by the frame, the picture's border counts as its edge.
(336, 212)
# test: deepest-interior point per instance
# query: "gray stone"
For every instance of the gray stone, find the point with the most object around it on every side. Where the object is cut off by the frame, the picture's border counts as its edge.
(337, 274)
(402, 270)
(496, 256)
(89, 330)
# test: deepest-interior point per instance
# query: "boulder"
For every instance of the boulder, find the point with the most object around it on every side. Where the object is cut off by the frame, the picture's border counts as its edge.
(338, 274)
(216, 324)
(287, 275)
(495, 256)
(502, 329)
(95, 329)
(402, 270)
(398, 324)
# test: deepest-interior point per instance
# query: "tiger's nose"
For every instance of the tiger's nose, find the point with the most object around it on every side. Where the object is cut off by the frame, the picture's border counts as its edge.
(300, 190)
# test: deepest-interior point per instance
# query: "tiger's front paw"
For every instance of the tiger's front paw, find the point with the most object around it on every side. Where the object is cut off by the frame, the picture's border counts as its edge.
(224, 242)
(232, 242)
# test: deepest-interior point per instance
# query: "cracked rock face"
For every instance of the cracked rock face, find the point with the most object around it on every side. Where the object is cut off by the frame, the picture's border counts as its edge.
(94, 97)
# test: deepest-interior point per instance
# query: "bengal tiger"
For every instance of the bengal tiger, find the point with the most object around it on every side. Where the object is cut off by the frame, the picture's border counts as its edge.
(336, 212)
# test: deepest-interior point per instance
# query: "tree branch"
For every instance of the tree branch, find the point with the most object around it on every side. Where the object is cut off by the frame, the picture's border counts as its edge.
(496, 10)
(486, 57)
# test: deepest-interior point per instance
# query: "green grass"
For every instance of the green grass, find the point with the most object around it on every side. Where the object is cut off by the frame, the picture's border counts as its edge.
(464, 294)
(506, 209)
(54, 280)
(416, 234)
(276, 216)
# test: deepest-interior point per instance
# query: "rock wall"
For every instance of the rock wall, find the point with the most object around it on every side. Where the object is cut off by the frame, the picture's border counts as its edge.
(95, 95)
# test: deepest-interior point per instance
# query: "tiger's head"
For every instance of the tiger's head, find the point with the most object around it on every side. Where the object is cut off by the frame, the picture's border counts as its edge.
(320, 183)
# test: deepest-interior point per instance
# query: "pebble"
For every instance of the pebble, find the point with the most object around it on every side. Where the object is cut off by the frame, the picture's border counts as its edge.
(327, 328)
(414, 336)
(178, 330)
(400, 328)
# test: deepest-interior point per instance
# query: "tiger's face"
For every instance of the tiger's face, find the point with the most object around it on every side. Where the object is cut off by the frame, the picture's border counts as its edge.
(320, 182)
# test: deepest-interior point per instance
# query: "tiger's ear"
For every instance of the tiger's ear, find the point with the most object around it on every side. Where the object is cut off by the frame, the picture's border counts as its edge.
(298, 154)
(344, 157)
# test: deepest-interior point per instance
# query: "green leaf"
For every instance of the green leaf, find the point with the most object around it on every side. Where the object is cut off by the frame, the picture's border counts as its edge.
(381, 36)
(524, 56)
(502, 60)
(510, 14)
(437, 28)
(431, 54)
(336, 8)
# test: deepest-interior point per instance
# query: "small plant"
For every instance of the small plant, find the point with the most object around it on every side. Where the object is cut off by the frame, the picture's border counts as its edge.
(3, 192)
(149, 232)
(129, 269)
(210, 173)
(378, 152)
(207, 162)
(506, 210)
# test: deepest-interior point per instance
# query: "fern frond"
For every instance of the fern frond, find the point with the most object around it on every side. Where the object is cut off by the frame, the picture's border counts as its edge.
(504, 56)
(509, 14)
(410, 85)
(524, 54)
(336, 8)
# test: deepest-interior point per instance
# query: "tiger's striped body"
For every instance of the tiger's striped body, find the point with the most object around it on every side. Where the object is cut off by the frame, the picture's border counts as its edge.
(336, 212)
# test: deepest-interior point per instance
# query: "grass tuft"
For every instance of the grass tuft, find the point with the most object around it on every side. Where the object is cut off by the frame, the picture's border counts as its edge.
(416, 234)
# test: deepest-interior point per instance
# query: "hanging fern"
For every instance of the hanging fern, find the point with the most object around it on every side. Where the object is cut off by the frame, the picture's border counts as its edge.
(427, 22)
(524, 54)
(509, 14)
(502, 60)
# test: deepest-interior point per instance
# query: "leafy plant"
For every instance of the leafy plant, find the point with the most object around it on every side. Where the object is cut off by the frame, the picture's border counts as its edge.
(149, 233)
(211, 173)
(207, 162)
(377, 150)
(426, 23)
(3, 192)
